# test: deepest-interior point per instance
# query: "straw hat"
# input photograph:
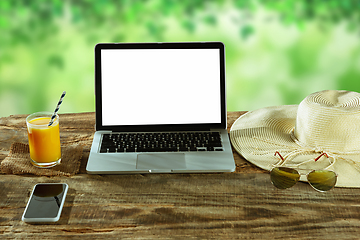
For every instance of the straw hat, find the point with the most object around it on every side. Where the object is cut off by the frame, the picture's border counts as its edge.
(324, 122)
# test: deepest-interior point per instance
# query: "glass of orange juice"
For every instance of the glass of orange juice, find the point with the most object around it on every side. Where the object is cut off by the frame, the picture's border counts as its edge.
(44, 140)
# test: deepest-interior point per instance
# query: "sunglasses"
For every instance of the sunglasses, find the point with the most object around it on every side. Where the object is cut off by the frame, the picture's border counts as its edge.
(285, 177)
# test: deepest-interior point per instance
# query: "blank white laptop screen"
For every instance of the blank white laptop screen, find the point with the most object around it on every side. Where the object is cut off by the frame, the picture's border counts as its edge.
(160, 86)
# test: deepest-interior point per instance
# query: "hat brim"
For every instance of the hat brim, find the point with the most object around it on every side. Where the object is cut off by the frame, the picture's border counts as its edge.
(258, 134)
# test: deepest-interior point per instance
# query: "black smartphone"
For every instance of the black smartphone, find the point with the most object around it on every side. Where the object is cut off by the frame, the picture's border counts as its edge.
(45, 203)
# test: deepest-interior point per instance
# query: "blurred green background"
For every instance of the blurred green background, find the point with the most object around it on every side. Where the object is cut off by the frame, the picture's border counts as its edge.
(277, 51)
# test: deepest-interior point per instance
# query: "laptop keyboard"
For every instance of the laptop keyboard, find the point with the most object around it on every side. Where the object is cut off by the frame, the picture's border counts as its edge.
(161, 142)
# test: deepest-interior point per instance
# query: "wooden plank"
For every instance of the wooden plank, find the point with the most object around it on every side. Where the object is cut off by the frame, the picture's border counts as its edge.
(243, 204)
(183, 206)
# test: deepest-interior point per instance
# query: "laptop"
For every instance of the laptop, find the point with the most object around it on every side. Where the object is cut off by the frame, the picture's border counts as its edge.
(160, 108)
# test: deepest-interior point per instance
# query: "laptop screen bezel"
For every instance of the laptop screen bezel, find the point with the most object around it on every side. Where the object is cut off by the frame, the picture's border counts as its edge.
(158, 127)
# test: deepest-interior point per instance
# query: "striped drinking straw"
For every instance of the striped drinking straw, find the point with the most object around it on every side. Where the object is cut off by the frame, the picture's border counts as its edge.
(56, 109)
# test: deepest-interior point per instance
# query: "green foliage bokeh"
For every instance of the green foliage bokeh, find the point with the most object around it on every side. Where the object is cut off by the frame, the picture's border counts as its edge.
(277, 51)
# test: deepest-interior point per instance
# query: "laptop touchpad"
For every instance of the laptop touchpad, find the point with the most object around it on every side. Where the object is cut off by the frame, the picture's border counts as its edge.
(161, 161)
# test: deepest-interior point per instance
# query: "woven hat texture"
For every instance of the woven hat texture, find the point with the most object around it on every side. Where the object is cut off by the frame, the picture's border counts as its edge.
(324, 122)
(18, 161)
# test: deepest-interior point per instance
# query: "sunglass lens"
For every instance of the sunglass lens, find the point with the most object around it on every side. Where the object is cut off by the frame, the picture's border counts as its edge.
(323, 180)
(283, 177)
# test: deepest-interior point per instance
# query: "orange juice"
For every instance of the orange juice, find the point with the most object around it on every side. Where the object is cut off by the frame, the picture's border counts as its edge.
(44, 141)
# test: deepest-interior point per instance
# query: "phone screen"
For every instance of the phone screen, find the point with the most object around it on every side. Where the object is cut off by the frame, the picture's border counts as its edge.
(45, 203)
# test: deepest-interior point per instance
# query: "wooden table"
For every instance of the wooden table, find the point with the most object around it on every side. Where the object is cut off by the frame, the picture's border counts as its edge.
(243, 204)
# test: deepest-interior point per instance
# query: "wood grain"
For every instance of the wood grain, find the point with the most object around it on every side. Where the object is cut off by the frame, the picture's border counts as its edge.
(236, 205)
(184, 206)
